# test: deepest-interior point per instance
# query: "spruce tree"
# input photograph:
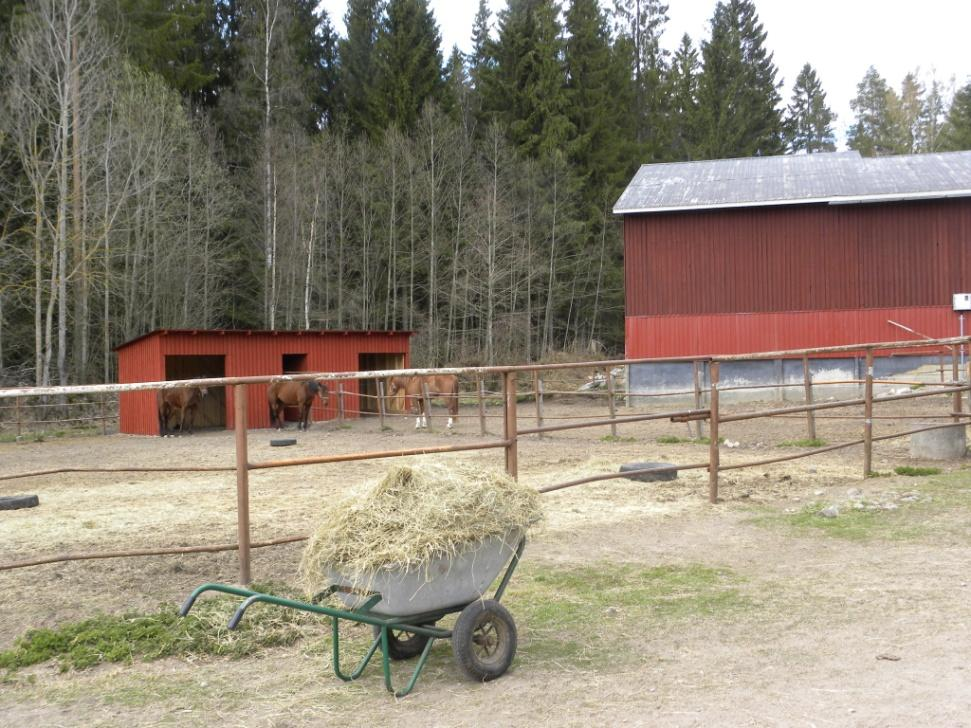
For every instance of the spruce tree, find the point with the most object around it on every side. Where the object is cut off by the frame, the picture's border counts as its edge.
(525, 89)
(738, 91)
(809, 121)
(682, 89)
(957, 135)
(479, 57)
(409, 63)
(358, 64)
(875, 131)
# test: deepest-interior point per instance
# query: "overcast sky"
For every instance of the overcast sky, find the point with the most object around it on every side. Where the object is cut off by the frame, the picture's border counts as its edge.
(840, 38)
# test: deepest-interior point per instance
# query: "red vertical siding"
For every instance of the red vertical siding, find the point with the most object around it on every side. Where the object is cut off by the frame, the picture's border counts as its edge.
(256, 353)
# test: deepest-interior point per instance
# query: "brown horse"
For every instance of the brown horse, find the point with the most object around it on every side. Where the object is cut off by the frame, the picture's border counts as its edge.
(294, 394)
(443, 386)
(183, 400)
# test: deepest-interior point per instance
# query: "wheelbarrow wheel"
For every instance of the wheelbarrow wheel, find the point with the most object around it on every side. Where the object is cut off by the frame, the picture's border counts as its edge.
(484, 640)
(403, 645)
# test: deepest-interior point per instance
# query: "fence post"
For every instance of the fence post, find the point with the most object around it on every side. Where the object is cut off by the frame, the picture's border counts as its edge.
(340, 403)
(242, 483)
(427, 404)
(610, 402)
(696, 375)
(955, 376)
(20, 425)
(868, 415)
(808, 384)
(480, 386)
(538, 396)
(381, 411)
(969, 383)
(713, 452)
(509, 422)
(104, 422)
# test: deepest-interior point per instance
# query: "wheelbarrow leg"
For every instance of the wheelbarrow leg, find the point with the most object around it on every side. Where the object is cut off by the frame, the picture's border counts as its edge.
(356, 672)
(414, 676)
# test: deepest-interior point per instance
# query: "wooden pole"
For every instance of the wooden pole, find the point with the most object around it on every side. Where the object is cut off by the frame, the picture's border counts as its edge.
(713, 452)
(104, 421)
(242, 483)
(509, 422)
(20, 424)
(955, 375)
(610, 402)
(482, 418)
(381, 408)
(427, 402)
(808, 384)
(969, 382)
(340, 403)
(868, 415)
(696, 375)
(538, 396)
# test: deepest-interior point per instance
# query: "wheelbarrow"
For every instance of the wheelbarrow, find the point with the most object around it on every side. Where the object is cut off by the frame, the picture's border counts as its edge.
(403, 608)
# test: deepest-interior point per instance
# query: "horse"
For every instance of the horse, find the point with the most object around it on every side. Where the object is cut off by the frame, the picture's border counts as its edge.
(183, 400)
(294, 394)
(443, 386)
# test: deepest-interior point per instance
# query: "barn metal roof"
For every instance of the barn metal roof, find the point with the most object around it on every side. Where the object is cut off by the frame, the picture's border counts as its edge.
(833, 178)
(262, 332)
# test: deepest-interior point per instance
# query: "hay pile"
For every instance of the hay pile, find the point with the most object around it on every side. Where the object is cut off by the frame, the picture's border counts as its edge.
(414, 514)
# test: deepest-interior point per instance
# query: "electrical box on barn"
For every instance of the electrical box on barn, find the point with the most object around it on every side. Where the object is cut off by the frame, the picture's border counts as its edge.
(962, 301)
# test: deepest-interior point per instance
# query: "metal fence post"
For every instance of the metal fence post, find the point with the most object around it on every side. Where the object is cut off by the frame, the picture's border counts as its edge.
(538, 396)
(381, 409)
(480, 388)
(509, 422)
(104, 420)
(696, 376)
(242, 483)
(427, 404)
(955, 376)
(340, 403)
(713, 452)
(808, 384)
(20, 424)
(868, 416)
(610, 402)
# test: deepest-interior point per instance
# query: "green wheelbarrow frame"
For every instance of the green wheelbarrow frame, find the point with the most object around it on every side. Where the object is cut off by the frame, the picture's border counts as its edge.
(415, 624)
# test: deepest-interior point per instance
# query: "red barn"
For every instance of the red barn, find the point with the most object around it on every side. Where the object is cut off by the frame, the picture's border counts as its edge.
(169, 354)
(774, 253)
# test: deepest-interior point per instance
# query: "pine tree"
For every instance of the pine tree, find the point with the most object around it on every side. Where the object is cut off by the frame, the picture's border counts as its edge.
(911, 115)
(738, 91)
(934, 117)
(409, 62)
(809, 121)
(957, 135)
(525, 90)
(875, 131)
(358, 63)
(682, 87)
(599, 91)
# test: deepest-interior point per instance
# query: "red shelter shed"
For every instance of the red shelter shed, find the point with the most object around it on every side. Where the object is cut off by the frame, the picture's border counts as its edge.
(169, 354)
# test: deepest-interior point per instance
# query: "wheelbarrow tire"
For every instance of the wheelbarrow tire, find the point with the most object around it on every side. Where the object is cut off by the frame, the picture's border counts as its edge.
(484, 640)
(403, 645)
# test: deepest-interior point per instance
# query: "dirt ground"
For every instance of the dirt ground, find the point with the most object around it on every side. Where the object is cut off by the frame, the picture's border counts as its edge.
(871, 631)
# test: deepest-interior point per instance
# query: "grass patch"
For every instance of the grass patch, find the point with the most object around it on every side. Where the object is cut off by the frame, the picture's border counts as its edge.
(124, 638)
(856, 525)
(617, 438)
(585, 615)
(916, 472)
(675, 440)
(807, 442)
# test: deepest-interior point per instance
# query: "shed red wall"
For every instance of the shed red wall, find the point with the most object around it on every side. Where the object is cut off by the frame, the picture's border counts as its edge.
(797, 258)
(248, 354)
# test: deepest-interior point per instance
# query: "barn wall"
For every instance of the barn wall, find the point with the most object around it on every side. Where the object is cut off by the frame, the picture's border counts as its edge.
(252, 354)
(797, 258)
(713, 334)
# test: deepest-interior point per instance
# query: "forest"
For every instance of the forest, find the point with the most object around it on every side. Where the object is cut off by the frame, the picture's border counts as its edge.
(239, 164)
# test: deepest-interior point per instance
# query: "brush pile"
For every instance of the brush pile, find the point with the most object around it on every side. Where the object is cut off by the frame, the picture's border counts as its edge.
(415, 514)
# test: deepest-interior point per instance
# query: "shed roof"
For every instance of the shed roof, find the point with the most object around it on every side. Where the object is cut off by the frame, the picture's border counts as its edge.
(260, 332)
(833, 178)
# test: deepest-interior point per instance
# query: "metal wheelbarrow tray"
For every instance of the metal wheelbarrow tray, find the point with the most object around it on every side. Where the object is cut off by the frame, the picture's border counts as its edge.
(404, 607)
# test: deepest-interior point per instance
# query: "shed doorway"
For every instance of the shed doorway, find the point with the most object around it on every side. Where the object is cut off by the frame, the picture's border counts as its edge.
(369, 387)
(212, 409)
(293, 364)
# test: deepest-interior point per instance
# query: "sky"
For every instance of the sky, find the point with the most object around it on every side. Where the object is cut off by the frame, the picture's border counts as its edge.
(840, 38)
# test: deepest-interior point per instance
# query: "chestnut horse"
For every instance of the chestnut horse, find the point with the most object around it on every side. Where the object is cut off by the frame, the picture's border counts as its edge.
(442, 386)
(183, 400)
(294, 394)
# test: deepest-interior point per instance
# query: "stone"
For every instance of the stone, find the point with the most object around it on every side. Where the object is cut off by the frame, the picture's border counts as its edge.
(649, 477)
(830, 512)
(819, 492)
(855, 493)
(947, 443)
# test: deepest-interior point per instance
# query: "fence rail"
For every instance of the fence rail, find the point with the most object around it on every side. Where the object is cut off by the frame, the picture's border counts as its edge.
(509, 397)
